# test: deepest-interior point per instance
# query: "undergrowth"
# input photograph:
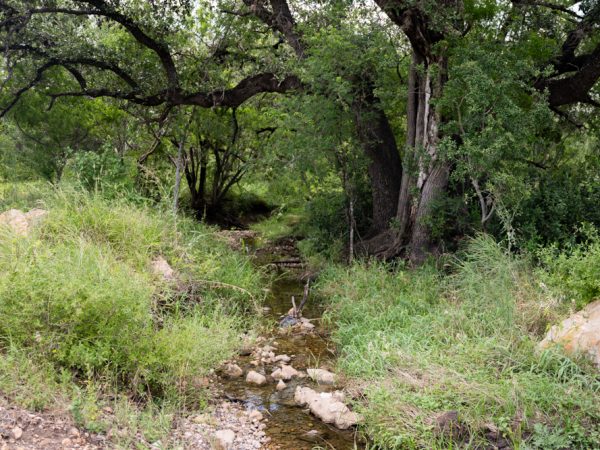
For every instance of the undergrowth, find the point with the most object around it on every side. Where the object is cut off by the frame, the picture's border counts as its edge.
(84, 317)
(420, 346)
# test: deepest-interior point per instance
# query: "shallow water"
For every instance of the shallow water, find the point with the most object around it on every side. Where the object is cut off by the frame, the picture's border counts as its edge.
(287, 423)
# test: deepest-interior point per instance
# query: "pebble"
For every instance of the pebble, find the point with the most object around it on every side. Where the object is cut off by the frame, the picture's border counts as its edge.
(255, 415)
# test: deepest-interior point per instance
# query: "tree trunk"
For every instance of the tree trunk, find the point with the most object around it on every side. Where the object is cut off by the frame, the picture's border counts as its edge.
(434, 171)
(379, 145)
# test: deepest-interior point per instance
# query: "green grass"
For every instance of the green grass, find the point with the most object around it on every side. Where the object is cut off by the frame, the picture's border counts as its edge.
(84, 319)
(416, 344)
(280, 224)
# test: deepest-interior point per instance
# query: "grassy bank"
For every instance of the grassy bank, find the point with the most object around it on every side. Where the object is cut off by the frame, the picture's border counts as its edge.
(450, 361)
(86, 321)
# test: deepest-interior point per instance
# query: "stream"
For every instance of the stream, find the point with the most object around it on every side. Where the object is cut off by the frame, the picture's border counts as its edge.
(288, 425)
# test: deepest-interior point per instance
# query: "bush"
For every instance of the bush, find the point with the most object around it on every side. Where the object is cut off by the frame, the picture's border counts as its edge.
(574, 272)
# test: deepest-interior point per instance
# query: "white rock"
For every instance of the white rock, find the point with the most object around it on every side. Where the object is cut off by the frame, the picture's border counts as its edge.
(255, 415)
(284, 373)
(17, 433)
(283, 358)
(327, 406)
(233, 371)
(256, 378)
(281, 385)
(19, 222)
(162, 269)
(306, 324)
(223, 440)
(321, 376)
(579, 333)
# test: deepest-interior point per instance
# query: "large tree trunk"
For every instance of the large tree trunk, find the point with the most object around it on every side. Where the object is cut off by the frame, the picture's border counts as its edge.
(425, 174)
(379, 145)
(433, 170)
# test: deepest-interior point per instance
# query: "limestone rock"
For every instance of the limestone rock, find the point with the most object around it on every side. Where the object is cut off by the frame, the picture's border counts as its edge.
(256, 378)
(233, 371)
(313, 436)
(255, 415)
(321, 376)
(223, 440)
(327, 406)
(19, 222)
(306, 324)
(162, 269)
(284, 373)
(579, 333)
(283, 358)
(280, 386)
(16, 433)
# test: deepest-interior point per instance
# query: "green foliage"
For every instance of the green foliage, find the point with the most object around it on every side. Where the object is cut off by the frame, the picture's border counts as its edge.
(79, 295)
(420, 343)
(99, 171)
(574, 272)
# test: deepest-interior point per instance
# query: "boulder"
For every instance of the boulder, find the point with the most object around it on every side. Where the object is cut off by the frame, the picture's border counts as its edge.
(327, 406)
(223, 440)
(256, 378)
(19, 222)
(578, 334)
(284, 373)
(321, 376)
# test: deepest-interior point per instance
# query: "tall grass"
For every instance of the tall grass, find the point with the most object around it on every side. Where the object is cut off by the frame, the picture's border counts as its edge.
(419, 344)
(78, 295)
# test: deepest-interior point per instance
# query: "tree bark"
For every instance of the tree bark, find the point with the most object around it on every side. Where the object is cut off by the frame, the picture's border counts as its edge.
(379, 145)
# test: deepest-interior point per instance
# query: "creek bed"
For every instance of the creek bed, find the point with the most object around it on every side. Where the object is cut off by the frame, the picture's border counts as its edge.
(288, 424)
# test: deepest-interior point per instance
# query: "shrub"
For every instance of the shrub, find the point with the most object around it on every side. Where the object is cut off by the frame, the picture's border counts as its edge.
(575, 271)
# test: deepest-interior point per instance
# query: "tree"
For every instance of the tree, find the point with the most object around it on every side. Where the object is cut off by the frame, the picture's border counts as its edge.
(436, 29)
(145, 53)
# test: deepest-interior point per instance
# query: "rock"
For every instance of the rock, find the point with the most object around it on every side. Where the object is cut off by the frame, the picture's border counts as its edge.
(305, 324)
(245, 351)
(255, 415)
(66, 442)
(284, 373)
(19, 222)
(579, 333)
(327, 406)
(321, 376)
(283, 358)
(73, 432)
(223, 440)
(16, 433)
(280, 386)
(162, 269)
(312, 436)
(256, 378)
(233, 371)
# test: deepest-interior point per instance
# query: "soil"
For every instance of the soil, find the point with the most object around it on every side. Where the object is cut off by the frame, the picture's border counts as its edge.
(22, 429)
